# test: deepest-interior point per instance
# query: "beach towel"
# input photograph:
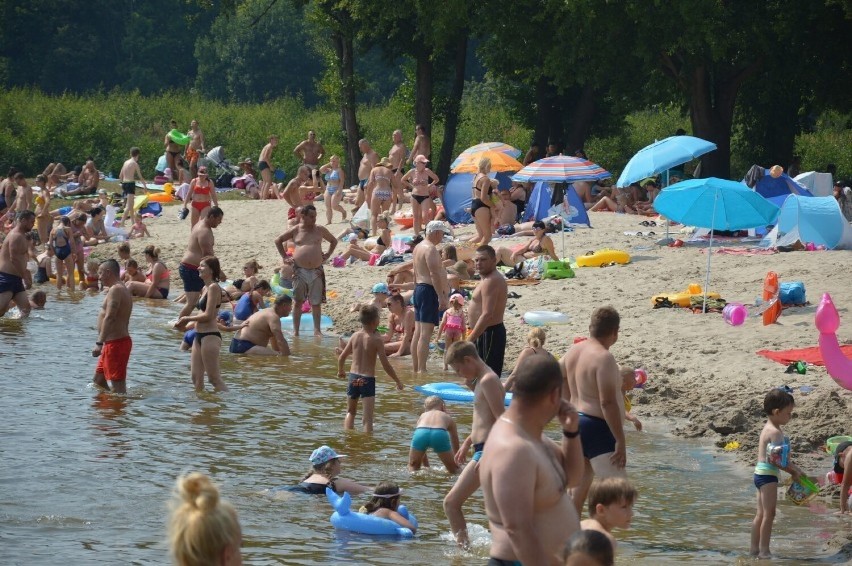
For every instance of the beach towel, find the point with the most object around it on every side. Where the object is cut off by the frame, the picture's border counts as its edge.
(810, 355)
(743, 251)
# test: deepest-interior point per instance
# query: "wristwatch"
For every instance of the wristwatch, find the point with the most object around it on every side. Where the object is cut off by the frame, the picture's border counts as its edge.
(99, 343)
(567, 434)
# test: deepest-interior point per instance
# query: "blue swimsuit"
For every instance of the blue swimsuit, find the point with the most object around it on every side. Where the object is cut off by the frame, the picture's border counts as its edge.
(329, 177)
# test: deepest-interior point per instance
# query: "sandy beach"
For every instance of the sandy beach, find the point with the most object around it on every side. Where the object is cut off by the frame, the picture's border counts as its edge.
(700, 368)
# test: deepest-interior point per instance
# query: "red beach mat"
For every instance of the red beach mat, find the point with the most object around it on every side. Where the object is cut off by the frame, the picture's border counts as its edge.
(810, 355)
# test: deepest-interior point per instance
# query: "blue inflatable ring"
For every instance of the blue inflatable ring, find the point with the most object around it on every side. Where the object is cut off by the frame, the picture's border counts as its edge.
(345, 519)
(452, 392)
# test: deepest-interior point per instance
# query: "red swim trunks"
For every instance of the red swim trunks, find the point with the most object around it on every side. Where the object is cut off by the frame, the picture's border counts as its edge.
(291, 214)
(114, 357)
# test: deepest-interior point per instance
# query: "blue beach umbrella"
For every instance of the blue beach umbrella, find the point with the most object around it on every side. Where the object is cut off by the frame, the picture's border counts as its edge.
(661, 156)
(717, 204)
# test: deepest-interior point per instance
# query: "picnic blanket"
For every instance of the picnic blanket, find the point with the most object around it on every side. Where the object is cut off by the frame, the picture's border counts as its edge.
(743, 251)
(810, 355)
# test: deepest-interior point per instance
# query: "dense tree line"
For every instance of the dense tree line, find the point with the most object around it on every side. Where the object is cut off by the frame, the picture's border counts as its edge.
(570, 68)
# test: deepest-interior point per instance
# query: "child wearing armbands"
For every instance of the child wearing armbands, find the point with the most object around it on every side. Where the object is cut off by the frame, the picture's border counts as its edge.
(773, 454)
(385, 504)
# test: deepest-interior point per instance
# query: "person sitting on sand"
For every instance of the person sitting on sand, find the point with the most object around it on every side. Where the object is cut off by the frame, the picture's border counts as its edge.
(87, 181)
(325, 472)
(264, 327)
(248, 282)
(540, 244)
(132, 273)
(138, 230)
(384, 241)
(355, 251)
(437, 430)
(157, 278)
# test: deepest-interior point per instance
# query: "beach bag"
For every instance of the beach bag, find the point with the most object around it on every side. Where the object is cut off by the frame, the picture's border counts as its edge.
(557, 270)
(506, 230)
(793, 293)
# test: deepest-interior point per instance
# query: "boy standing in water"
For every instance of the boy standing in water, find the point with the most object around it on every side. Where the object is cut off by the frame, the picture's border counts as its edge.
(773, 451)
(365, 346)
(610, 506)
(488, 399)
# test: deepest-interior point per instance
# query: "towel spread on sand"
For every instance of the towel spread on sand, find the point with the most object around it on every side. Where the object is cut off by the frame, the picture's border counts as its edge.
(810, 355)
(742, 251)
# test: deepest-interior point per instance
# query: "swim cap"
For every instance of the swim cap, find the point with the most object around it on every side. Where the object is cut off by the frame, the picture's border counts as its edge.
(381, 288)
(323, 454)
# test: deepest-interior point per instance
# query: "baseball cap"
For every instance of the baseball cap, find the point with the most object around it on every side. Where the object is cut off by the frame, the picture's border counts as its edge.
(439, 226)
(381, 288)
(323, 454)
(421, 159)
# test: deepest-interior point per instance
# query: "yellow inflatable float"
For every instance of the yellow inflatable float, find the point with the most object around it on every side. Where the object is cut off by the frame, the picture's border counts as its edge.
(682, 298)
(603, 257)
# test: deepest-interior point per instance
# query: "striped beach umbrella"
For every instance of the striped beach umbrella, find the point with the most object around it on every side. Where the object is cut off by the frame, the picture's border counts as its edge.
(500, 162)
(486, 146)
(561, 169)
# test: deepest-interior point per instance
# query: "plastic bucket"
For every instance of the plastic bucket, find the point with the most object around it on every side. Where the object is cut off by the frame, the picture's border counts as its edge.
(832, 443)
(735, 313)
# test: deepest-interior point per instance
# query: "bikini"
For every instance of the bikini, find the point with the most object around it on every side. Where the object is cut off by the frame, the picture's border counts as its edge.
(476, 203)
(333, 176)
(164, 291)
(382, 194)
(202, 306)
(200, 205)
(419, 182)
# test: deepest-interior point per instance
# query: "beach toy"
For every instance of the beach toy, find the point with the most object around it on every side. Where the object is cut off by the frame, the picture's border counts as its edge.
(345, 519)
(168, 188)
(641, 377)
(603, 257)
(452, 392)
(735, 313)
(833, 442)
(771, 289)
(275, 285)
(307, 322)
(802, 491)
(65, 210)
(682, 299)
(404, 218)
(545, 318)
(179, 138)
(161, 197)
(792, 293)
(338, 261)
(557, 270)
(827, 321)
(733, 445)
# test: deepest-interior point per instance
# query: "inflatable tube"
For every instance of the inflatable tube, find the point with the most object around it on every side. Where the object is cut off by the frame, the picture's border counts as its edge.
(179, 138)
(682, 299)
(306, 322)
(345, 519)
(603, 257)
(161, 197)
(546, 318)
(275, 285)
(452, 392)
(827, 321)
(771, 289)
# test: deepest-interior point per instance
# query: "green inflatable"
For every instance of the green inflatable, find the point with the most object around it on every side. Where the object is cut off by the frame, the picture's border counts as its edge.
(179, 138)
(558, 270)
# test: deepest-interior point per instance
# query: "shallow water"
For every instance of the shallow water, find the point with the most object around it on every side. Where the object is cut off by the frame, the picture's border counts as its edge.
(85, 477)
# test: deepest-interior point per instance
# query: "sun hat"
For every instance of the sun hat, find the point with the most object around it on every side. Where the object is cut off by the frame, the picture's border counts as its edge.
(438, 226)
(323, 454)
(384, 162)
(457, 297)
(421, 159)
(381, 288)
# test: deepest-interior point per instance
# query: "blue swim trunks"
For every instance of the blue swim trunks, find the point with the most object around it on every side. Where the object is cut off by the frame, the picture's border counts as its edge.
(11, 284)
(240, 346)
(595, 436)
(192, 282)
(425, 300)
(761, 480)
(438, 439)
(360, 386)
(477, 451)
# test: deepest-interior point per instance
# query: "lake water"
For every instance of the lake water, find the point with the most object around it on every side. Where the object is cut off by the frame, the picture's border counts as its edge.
(85, 477)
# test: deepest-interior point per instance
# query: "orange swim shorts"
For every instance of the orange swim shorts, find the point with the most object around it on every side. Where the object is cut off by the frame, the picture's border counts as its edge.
(114, 357)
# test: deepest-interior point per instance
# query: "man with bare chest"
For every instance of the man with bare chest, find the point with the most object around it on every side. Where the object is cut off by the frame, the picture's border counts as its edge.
(309, 151)
(368, 161)
(486, 309)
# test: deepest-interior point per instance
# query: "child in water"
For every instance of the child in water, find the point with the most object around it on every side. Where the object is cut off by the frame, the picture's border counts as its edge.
(535, 345)
(365, 346)
(628, 383)
(92, 280)
(772, 455)
(610, 506)
(132, 273)
(453, 323)
(436, 430)
(385, 504)
(45, 265)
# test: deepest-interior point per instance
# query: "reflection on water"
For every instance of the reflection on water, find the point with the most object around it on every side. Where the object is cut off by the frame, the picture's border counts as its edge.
(91, 472)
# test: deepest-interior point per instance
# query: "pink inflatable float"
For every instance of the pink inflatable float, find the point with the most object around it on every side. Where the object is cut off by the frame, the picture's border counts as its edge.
(827, 322)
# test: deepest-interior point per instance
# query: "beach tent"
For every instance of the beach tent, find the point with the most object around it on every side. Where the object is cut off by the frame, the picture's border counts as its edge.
(816, 220)
(541, 201)
(458, 194)
(819, 184)
(774, 189)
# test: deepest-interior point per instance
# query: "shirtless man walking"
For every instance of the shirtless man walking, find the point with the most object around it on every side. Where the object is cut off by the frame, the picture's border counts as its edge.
(261, 327)
(369, 160)
(292, 192)
(113, 345)
(431, 293)
(593, 385)
(195, 148)
(264, 165)
(310, 151)
(200, 245)
(129, 173)
(173, 149)
(422, 145)
(397, 156)
(14, 254)
(525, 475)
(308, 257)
(488, 396)
(486, 309)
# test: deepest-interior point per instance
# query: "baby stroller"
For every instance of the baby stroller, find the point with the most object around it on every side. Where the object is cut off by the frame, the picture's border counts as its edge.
(219, 168)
